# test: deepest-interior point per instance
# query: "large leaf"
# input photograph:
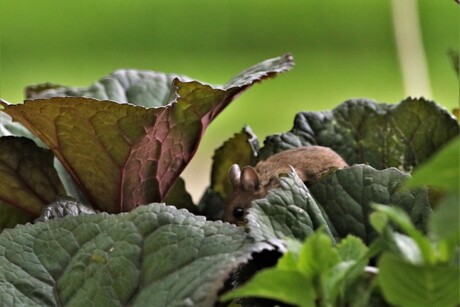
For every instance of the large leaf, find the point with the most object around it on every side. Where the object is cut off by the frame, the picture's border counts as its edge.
(363, 131)
(28, 180)
(347, 195)
(123, 155)
(153, 256)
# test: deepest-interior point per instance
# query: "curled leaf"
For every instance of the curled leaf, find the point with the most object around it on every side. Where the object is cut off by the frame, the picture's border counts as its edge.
(123, 155)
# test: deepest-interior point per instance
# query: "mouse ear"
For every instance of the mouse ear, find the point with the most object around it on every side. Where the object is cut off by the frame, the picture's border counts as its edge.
(234, 175)
(249, 179)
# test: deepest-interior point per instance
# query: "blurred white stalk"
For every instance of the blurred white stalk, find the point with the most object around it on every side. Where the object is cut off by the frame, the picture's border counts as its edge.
(410, 49)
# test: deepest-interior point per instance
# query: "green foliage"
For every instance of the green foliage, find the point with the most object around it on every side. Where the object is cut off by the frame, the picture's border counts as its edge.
(129, 149)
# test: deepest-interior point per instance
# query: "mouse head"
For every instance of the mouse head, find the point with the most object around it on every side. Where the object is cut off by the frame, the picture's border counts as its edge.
(246, 188)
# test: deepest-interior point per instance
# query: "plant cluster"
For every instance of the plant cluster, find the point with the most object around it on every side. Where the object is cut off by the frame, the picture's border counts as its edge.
(93, 209)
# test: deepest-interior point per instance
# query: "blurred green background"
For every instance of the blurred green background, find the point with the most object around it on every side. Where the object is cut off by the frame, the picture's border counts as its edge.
(342, 49)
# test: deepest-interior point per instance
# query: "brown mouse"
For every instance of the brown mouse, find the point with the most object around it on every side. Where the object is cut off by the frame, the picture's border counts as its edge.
(250, 183)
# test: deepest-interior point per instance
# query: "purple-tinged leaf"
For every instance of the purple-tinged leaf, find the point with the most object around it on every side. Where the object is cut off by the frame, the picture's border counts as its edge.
(123, 155)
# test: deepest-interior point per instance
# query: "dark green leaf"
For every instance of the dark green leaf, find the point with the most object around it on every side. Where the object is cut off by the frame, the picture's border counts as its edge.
(140, 151)
(28, 180)
(153, 256)
(288, 211)
(406, 284)
(347, 194)
(363, 131)
(211, 205)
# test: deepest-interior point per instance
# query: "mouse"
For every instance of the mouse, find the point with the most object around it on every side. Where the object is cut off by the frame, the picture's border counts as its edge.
(310, 163)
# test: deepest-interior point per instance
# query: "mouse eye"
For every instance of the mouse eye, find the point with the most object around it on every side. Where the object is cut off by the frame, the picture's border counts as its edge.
(238, 212)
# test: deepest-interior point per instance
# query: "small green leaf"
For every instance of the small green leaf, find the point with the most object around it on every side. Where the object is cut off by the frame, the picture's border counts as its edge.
(406, 284)
(289, 287)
